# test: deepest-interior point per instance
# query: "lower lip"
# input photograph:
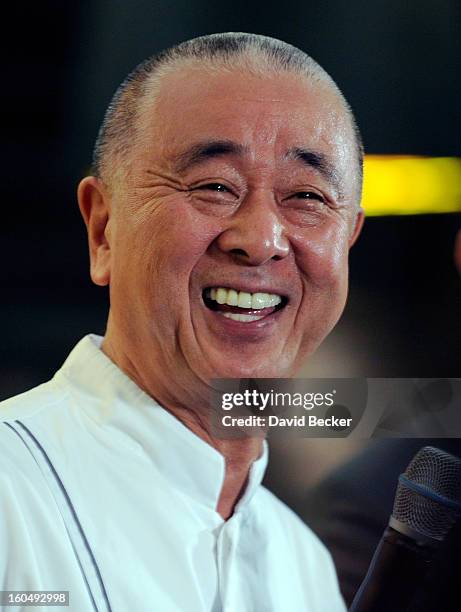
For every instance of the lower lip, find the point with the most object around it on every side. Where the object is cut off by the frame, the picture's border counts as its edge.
(253, 329)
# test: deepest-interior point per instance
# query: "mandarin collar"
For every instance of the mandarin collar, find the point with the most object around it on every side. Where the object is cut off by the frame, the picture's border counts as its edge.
(112, 400)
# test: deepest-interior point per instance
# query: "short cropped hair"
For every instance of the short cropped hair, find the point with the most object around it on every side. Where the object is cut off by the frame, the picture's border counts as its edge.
(228, 51)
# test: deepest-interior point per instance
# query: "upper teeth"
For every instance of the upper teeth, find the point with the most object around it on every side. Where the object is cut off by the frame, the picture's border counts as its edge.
(255, 301)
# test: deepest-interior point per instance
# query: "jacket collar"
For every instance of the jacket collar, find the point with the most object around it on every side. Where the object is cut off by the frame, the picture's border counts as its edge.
(113, 400)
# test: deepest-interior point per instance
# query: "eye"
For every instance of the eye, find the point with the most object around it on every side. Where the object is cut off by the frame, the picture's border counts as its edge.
(213, 198)
(309, 195)
(305, 207)
(215, 187)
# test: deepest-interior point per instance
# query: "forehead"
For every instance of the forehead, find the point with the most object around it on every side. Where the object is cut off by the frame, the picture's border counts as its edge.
(267, 114)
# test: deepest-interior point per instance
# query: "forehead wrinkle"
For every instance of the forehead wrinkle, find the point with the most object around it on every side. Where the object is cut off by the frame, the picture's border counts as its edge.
(207, 149)
(320, 162)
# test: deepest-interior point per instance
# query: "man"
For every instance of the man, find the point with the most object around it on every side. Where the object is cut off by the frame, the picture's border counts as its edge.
(224, 200)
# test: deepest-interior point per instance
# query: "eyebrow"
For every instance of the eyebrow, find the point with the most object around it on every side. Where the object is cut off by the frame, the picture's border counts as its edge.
(208, 149)
(317, 161)
(211, 149)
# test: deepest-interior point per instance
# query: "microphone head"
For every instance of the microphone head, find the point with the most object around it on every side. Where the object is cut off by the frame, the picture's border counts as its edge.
(428, 498)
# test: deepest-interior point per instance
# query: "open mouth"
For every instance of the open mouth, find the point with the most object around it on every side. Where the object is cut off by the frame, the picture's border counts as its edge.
(242, 306)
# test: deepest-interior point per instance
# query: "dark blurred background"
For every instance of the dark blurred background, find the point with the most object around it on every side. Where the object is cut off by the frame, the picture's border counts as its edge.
(398, 64)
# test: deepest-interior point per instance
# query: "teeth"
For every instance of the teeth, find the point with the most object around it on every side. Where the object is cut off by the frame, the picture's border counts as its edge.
(221, 295)
(255, 301)
(232, 297)
(244, 300)
(241, 317)
(263, 300)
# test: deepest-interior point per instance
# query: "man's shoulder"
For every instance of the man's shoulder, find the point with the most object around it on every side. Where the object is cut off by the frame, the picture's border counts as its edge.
(20, 477)
(31, 402)
(19, 472)
(13, 411)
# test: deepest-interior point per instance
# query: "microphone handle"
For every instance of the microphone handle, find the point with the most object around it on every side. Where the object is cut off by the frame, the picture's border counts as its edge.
(396, 572)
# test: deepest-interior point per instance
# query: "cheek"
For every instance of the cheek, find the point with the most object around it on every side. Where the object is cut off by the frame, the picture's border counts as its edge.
(162, 247)
(322, 256)
(181, 239)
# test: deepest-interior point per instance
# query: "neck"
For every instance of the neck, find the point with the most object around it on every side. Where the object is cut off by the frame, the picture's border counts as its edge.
(239, 454)
(238, 463)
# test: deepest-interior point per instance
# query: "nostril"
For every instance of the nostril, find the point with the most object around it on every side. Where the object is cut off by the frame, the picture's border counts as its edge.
(239, 252)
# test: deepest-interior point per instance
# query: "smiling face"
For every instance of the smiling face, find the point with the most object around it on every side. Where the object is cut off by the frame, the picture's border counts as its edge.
(227, 246)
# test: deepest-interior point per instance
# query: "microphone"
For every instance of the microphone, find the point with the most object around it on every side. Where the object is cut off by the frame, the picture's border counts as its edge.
(426, 506)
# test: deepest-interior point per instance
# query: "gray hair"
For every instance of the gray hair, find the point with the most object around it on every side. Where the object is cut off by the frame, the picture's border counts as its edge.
(257, 54)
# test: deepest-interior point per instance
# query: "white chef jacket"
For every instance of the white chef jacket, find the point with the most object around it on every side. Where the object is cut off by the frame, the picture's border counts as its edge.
(105, 494)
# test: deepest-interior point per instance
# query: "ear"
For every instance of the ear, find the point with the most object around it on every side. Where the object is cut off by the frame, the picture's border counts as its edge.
(93, 202)
(358, 224)
(457, 253)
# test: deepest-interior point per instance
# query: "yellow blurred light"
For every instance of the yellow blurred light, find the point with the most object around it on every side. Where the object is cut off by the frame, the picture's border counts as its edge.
(407, 185)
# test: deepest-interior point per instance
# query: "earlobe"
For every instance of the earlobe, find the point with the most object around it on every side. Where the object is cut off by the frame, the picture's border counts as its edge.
(94, 206)
(358, 224)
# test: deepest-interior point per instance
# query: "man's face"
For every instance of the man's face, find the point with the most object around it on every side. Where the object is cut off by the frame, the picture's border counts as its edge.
(239, 186)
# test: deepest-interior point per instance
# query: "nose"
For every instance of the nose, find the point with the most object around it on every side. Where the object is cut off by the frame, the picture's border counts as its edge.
(255, 233)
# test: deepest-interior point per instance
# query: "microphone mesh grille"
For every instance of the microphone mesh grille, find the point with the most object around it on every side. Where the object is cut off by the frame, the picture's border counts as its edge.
(439, 472)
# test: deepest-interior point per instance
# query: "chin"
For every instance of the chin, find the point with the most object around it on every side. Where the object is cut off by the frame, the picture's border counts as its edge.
(243, 369)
